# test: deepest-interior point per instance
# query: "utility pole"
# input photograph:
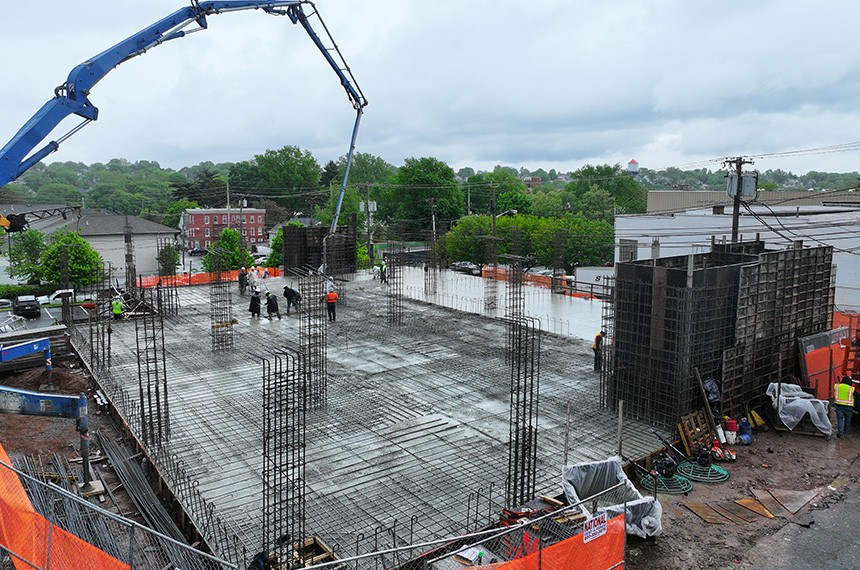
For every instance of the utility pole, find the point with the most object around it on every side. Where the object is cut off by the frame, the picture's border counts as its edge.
(738, 163)
(228, 203)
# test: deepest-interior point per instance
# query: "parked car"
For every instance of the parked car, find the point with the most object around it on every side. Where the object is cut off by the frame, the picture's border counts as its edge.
(198, 251)
(56, 298)
(6, 304)
(27, 306)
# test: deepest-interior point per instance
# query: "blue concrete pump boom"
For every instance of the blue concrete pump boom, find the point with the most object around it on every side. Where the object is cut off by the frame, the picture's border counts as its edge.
(72, 97)
(25, 402)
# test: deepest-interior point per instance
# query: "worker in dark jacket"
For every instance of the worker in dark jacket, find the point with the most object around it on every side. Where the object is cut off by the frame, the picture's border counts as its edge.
(293, 297)
(243, 280)
(254, 307)
(272, 305)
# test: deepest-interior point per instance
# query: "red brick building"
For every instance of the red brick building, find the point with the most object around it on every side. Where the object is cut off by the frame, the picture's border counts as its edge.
(201, 227)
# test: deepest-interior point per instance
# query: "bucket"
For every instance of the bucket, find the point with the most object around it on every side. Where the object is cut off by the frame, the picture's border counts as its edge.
(744, 427)
(731, 437)
(731, 425)
(744, 439)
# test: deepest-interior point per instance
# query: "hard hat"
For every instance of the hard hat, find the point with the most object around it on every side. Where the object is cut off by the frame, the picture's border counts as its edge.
(243, 269)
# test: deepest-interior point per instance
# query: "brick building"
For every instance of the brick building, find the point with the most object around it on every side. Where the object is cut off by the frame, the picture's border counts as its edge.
(201, 227)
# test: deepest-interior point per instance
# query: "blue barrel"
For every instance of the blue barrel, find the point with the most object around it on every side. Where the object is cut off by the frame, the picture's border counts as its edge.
(744, 427)
(744, 439)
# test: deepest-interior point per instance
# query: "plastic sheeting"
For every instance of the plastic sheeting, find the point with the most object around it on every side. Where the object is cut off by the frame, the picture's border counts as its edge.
(643, 515)
(793, 403)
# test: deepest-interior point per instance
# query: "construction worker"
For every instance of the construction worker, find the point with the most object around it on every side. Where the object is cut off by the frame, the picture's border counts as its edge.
(272, 305)
(331, 303)
(597, 348)
(843, 397)
(383, 271)
(243, 280)
(116, 308)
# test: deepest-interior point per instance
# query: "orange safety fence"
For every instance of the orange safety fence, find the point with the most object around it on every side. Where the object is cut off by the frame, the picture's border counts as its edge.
(825, 357)
(197, 278)
(599, 553)
(31, 537)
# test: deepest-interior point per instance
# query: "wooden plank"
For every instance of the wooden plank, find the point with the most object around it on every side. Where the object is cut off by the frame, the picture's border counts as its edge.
(772, 505)
(728, 514)
(755, 507)
(706, 513)
(737, 510)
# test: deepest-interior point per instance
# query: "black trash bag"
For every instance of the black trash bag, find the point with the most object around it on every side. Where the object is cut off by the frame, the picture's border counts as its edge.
(712, 389)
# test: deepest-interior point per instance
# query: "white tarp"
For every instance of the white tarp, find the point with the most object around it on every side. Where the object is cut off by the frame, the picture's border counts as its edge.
(643, 515)
(792, 403)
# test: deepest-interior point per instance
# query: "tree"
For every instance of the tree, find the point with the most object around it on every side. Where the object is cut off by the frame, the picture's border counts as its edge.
(168, 259)
(330, 174)
(630, 197)
(25, 258)
(366, 169)
(423, 184)
(598, 204)
(81, 260)
(174, 212)
(231, 241)
(289, 172)
(349, 205)
(275, 213)
(583, 242)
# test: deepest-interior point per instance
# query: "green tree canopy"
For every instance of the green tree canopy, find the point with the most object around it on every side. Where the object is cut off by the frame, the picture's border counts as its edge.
(583, 242)
(630, 197)
(70, 249)
(289, 172)
(231, 241)
(25, 259)
(421, 184)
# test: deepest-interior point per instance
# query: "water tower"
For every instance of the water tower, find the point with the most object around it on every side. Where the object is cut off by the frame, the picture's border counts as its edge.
(633, 168)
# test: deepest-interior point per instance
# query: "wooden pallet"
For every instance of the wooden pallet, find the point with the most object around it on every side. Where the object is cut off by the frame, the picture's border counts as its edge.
(695, 431)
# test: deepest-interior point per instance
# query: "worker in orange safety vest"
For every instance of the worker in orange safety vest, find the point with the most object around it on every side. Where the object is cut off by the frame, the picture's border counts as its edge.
(331, 304)
(597, 348)
(843, 397)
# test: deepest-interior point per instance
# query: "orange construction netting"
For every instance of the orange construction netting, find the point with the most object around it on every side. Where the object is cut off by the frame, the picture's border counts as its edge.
(30, 536)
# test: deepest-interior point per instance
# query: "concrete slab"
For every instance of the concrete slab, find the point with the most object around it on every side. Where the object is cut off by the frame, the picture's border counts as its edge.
(417, 419)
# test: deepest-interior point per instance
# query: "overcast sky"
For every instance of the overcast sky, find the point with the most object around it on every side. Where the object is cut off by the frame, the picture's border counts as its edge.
(539, 84)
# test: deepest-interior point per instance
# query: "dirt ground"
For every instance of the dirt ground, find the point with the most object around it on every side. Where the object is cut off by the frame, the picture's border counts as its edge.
(775, 460)
(42, 437)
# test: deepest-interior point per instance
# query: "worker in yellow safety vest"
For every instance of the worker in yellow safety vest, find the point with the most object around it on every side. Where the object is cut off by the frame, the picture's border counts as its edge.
(843, 397)
(598, 354)
(116, 307)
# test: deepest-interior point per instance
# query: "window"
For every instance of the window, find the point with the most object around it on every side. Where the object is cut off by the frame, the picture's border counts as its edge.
(243, 231)
(224, 219)
(206, 219)
(207, 232)
(244, 221)
(259, 231)
(233, 219)
(260, 219)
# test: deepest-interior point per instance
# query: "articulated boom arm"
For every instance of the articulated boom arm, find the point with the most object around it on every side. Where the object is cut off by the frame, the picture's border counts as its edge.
(72, 97)
(19, 222)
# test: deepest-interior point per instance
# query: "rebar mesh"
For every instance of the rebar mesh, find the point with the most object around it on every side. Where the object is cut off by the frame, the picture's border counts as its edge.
(284, 425)
(394, 261)
(152, 374)
(221, 303)
(312, 336)
(130, 267)
(168, 297)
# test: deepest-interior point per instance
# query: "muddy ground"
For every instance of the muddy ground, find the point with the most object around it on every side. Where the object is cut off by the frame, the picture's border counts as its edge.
(775, 460)
(42, 437)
